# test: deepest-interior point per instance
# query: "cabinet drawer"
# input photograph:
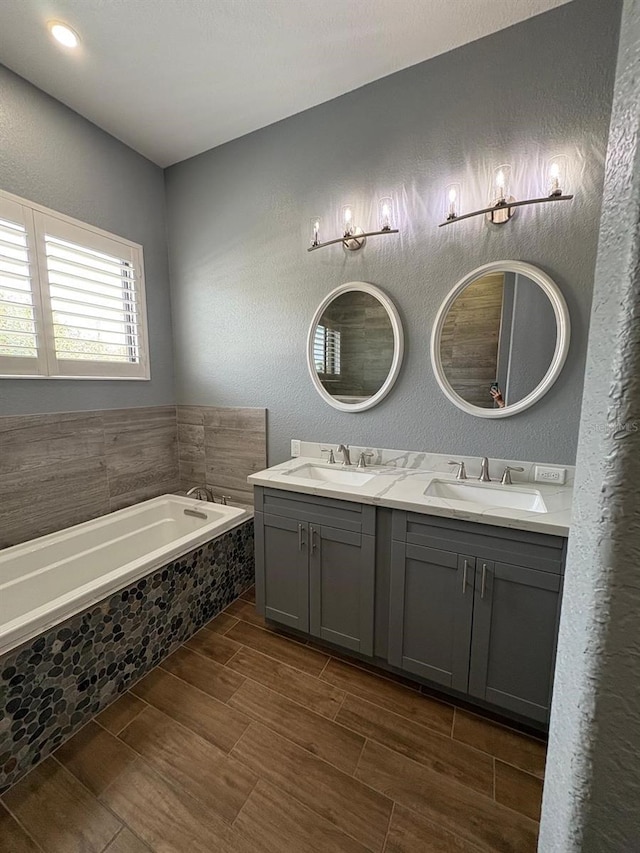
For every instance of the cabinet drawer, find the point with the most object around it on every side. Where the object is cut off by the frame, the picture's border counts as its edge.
(341, 515)
(501, 544)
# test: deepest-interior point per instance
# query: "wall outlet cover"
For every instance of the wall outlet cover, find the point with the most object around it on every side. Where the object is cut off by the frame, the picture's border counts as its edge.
(550, 474)
(295, 447)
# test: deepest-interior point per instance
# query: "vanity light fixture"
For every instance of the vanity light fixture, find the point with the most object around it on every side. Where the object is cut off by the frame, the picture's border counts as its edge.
(63, 34)
(502, 203)
(353, 237)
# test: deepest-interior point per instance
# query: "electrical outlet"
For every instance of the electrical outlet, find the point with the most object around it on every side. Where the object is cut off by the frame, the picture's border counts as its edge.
(295, 447)
(547, 474)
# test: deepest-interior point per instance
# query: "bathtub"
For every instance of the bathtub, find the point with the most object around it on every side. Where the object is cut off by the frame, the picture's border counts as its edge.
(88, 611)
(46, 580)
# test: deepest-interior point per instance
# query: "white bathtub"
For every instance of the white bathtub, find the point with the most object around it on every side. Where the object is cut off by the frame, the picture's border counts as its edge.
(46, 580)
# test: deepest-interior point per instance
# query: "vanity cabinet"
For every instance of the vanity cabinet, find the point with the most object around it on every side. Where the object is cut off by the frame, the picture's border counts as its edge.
(476, 609)
(315, 566)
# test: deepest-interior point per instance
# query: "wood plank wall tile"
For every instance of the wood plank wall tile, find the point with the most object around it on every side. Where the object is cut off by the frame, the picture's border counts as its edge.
(221, 446)
(60, 469)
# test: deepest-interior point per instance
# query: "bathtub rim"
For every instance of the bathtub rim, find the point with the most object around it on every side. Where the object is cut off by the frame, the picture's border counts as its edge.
(25, 628)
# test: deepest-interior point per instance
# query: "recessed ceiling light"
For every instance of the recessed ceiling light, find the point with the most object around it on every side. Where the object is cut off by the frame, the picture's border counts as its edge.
(64, 34)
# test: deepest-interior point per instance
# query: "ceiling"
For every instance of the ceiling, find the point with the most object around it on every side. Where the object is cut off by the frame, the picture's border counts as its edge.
(173, 78)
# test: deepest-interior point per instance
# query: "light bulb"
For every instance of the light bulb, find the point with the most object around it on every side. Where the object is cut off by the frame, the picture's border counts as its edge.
(315, 231)
(500, 182)
(385, 214)
(451, 203)
(554, 174)
(347, 215)
(63, 34)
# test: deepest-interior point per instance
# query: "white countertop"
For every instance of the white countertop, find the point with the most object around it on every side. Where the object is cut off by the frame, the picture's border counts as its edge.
(404, 488)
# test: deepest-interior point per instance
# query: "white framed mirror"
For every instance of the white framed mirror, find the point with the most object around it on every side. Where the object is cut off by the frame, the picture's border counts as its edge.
(500, 339)
(355, 346)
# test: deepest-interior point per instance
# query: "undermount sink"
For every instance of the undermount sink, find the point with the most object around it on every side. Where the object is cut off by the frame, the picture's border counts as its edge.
(489, 494)
(322, 474)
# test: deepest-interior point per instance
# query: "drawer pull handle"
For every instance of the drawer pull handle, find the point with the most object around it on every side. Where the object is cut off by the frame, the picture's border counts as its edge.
(464, 576)
(314, 542)
(484, 580)
(300, 537)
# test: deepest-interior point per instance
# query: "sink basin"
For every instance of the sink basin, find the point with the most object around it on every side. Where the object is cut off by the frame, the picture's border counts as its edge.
(489, 494)
(322, 474)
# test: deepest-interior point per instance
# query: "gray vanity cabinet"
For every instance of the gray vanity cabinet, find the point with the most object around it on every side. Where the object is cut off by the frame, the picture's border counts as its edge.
(315, 566)
(431, 606)
(476, 609)
(515, 626)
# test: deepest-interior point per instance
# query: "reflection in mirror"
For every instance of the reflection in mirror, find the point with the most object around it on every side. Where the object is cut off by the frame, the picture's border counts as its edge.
(498, 339)
(353, 347)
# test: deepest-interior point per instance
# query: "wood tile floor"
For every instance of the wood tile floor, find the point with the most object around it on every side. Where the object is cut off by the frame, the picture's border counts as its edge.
(244, 741)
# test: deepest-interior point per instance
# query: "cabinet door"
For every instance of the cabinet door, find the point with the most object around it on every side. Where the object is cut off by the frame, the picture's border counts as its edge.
(515, 626)
(282, 570)
(341, 575)
(431, 611)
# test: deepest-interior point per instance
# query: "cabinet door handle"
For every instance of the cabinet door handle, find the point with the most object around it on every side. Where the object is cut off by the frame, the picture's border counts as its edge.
(301, 542)
(464, 576)
(314, 542)
(484, 580)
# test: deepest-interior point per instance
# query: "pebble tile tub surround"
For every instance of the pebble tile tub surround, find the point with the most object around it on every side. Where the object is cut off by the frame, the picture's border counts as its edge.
(52, 685)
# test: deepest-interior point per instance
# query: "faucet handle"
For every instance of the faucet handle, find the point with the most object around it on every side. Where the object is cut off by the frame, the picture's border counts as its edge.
(362, 459)
(506, 477)
(329, 450)
(461, 473)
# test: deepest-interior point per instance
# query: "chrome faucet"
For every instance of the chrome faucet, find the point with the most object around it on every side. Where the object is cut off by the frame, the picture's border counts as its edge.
(362, 459)
(461, 473)
(346, 456)
(484, 470)
(201, 493)
(506, 477)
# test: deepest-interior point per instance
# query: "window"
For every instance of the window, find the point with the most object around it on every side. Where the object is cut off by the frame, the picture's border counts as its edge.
(71, 298)
(326, 350)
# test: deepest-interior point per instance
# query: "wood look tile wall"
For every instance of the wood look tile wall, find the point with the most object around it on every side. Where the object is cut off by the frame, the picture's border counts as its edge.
(57, 470)
(221, 446)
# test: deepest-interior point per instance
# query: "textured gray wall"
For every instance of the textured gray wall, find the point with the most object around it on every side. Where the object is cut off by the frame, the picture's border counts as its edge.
(592, 789)
(53, 156)
(244, 288)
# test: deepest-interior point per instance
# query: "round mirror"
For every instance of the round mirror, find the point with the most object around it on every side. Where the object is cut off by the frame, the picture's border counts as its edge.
(355, 346)
(500, 339)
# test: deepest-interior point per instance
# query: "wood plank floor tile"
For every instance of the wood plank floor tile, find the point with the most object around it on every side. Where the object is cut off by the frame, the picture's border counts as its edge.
(314, 694)
(13, 838)
(351, 806)
(518, 790)
(390, 695)
(296, 655)
(120, 713)
(458, 809)
(95, 757)
(126, 842)
(164, 817)
(220, 623)
(319, 736)
(203, 714)
(411, 833)
(59, 813)
(246, 611)
(506, 744)
(203, 673)
(278, 823)
(438, 752)
(213, 645)
(249, 594)
(193, 764)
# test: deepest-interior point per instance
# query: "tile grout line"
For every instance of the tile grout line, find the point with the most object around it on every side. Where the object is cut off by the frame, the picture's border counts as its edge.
(386, 837)
(21, 825)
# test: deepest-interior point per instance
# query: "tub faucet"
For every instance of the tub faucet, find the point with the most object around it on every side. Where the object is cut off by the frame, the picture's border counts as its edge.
(201, 493)
(346, 456)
